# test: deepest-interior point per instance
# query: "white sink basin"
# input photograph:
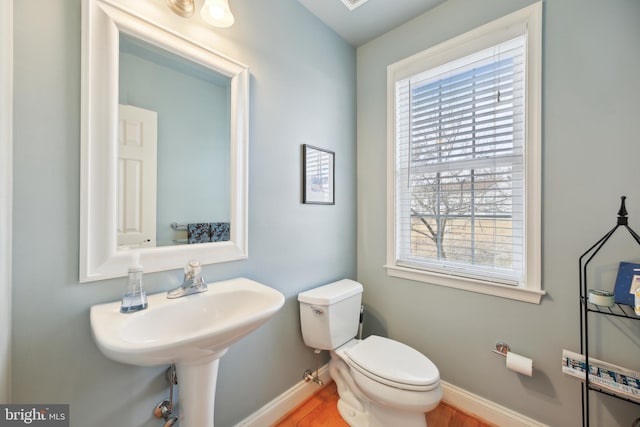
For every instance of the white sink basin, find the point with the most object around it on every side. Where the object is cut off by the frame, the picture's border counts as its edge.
(193, 332)
(189, 328)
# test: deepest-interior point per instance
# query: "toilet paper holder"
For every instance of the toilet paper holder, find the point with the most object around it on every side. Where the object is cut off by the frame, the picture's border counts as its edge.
(502, 348)
(515, 362)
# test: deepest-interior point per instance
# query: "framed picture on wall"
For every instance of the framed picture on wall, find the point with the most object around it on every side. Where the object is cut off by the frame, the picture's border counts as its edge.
(318, 175)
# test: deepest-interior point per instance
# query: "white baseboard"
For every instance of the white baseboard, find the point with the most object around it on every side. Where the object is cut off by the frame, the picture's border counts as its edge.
(462, 399)
(485, 409)
(286, 402)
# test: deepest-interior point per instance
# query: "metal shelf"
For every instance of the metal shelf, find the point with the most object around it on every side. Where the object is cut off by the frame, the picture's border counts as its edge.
(617, 310)
(609, 393)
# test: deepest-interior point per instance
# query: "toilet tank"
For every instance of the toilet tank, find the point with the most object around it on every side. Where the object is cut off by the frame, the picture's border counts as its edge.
(329, 314)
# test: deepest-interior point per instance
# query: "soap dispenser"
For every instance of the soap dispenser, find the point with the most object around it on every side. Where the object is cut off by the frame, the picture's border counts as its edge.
(135, 298)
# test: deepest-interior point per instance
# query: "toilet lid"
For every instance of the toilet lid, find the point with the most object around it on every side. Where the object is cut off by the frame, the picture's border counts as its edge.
(393, 362)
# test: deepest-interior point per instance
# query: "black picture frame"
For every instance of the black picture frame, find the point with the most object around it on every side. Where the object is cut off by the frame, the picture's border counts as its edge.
(318, 175)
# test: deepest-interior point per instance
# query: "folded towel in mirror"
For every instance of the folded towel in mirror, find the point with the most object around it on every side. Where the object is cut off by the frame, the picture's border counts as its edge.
(198, 233)
(220, 231)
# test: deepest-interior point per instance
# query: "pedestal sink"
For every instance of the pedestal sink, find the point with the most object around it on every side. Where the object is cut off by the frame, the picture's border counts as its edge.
(193, 332)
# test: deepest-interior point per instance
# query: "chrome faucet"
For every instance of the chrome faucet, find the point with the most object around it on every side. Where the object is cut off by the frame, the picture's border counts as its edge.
(192, 283)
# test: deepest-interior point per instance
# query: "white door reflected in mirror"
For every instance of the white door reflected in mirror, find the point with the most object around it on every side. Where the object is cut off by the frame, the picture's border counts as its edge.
(137, 170)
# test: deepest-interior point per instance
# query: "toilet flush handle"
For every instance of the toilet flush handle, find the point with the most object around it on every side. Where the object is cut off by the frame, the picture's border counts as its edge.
(317, 310)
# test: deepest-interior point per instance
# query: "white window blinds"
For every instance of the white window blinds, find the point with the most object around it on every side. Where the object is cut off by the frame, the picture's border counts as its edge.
(460, 166)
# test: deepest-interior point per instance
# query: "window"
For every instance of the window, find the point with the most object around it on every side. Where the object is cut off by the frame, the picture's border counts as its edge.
(464, 161)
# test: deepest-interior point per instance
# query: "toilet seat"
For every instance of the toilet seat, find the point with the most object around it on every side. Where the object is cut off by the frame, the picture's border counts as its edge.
(394, 364)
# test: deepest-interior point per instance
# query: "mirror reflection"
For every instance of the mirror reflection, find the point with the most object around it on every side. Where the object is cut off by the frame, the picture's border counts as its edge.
(174, 149)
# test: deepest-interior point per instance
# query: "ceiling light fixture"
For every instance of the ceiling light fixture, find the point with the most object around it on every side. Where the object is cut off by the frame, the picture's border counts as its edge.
(184, 8)
(217, 13)
(214, 12)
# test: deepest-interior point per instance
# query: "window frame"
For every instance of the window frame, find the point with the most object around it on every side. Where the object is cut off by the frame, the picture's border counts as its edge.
(526, 21)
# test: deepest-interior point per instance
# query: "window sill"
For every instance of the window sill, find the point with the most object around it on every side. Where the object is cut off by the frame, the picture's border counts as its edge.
(532, 296)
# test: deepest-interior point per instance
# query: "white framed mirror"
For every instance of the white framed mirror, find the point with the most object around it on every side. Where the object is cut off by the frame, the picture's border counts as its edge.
(103, 254)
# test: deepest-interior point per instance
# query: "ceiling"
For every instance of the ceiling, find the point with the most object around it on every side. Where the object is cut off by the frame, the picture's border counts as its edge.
(370, 19)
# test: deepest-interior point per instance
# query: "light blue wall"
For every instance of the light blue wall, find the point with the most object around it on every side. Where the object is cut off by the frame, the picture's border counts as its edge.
(302, 91)
(590, 158)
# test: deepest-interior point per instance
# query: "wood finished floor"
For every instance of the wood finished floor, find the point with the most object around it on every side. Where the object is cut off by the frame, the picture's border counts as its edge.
(321, 410)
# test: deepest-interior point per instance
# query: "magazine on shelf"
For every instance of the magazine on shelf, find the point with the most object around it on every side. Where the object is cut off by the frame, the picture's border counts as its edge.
(624, 289)
(615, 379)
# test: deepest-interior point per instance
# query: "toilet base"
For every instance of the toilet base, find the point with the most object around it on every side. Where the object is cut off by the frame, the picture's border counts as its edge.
(360, 411)
(353, 417)
(353, 406)
(379, 416)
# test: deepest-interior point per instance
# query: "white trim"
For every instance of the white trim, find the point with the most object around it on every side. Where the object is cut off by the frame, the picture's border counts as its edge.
(531, 17)
(485, 409)
(286, 402)
(467, 284)
(6, 193)
(468, 402)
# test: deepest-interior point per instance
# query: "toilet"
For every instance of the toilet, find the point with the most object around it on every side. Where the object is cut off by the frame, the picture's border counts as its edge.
(380, 382)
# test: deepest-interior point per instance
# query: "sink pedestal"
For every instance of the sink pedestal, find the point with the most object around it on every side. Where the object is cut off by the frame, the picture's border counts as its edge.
(197, 391)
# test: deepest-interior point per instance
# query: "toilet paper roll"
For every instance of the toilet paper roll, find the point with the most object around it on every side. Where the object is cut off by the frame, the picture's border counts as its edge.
(520, 364)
